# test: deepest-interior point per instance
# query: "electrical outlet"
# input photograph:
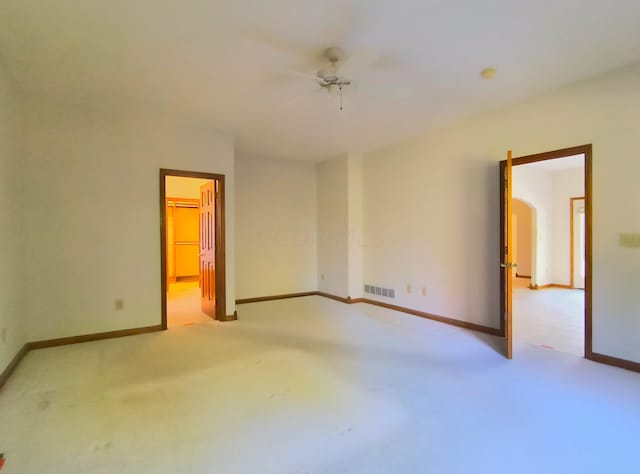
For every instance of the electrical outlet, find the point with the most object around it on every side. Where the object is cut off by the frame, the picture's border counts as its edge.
(119, 304)
(409, 289)
(424, 291)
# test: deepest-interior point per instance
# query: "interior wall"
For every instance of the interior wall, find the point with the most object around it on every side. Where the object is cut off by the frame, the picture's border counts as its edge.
(92, 219)
(276, 241)
(181, 187)
(333, 226)
(534, 186)
(431, 205)
(525, 229)
(354, 219)
(12, 333)
(565, 184)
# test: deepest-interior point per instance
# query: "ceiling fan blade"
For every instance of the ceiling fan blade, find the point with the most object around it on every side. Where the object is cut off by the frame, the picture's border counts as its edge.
(302, 75)
(302, 95)
(384, 91)
(357, 63)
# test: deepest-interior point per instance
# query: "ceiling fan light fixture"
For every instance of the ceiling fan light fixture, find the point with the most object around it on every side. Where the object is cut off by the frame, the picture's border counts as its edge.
(334, 54)
(488, 73)
(328, 75)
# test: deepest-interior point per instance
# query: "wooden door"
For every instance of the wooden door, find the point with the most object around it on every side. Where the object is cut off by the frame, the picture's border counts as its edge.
(506, 265)
(514, 240)
(208, 249)
(171, 243)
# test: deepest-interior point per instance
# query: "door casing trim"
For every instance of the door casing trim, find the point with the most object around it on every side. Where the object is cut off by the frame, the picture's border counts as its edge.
(221, 285)
(587, 151)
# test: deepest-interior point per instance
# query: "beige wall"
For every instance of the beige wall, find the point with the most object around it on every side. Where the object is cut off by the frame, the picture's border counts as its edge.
(11, 249)
(523, 259)
(534, 187)
(566, 184)
(333, 226)
(431, 205)
(354, 216)
(276, 226)
(90, 202)
(179, 186)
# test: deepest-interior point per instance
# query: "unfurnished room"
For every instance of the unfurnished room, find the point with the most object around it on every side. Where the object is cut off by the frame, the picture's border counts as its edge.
(319, 237)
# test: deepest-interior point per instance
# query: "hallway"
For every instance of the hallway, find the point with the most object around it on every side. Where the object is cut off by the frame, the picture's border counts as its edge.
(552, 318)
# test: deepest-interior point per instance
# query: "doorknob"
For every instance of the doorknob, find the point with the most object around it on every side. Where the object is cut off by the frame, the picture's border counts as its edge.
(202, 254)
(509, 265)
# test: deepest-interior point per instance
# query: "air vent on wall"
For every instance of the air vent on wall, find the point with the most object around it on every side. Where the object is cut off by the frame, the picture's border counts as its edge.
(378, 291)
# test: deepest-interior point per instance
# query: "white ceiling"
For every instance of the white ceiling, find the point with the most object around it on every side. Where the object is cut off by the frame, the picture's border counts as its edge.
(221, 61)
(558, 164)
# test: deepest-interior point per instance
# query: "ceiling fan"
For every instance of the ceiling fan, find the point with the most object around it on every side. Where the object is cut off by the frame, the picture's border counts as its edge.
(337, 70)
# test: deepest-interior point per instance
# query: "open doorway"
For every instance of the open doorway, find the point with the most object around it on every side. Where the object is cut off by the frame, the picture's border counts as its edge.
(524, 243)
(578, 224)
(192, 247)
(549, 291)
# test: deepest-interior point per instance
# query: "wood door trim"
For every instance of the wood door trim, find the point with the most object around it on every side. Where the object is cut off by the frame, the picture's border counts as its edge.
(230, 317)
(614, 361)
(551, 285)
(6, 373)
(98, 336)
(341, 299)
(508, 254)
(402, 309)
(550, 155)
(275, 297)
(347, 300)
(220, 250)
(587, 151)
(571, 235)
(441, 319)
(503, 309)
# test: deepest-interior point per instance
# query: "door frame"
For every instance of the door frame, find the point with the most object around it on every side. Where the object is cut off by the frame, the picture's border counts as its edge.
(587, 151)
(219, 239)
